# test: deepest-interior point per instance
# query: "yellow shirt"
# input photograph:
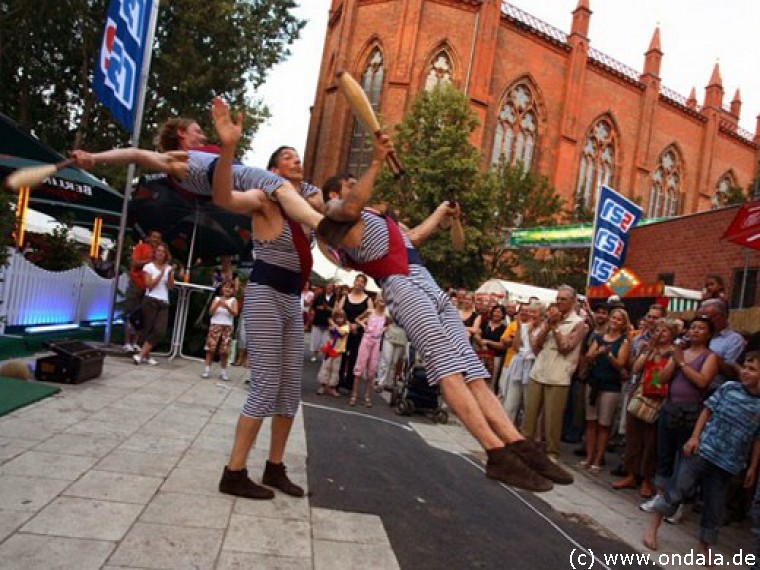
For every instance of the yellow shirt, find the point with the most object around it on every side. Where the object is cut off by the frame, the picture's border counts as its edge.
(509, 334)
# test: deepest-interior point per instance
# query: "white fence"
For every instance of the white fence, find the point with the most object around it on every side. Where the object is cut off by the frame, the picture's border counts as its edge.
(30, 295)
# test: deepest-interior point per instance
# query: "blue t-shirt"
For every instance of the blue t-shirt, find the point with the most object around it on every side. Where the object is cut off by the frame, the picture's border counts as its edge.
(731, 431)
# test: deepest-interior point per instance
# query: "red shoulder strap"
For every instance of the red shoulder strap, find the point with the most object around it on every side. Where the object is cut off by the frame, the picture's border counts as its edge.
(303, 248)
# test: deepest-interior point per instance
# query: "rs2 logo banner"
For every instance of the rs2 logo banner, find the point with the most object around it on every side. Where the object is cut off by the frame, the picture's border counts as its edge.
(616, 216)
(117, 74)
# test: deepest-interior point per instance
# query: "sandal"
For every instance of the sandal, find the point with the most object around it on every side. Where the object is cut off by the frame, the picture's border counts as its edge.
(367, 403)
(595, 468)
(583, 464)
(352, 401)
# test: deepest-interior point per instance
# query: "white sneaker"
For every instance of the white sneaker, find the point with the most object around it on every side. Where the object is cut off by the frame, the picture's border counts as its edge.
(206, 373)
(128, 347)
(137, 359)
(677, 516)
(152, 361)
(648, 506)
(224, 375)
(313, 359)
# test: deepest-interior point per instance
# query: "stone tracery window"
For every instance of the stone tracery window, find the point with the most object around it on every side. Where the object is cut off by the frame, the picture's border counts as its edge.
(440, 71)
(516, 129)
(666, 186)
(360, 151)
(597, 166)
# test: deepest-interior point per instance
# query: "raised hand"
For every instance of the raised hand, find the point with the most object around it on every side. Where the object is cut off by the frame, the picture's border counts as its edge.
(382, 147)
(177, 162)
(228, 130)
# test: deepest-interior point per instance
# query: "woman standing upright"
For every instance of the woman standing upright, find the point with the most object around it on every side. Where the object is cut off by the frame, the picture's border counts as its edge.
(159, 278)
(356, 303)
(608, 355)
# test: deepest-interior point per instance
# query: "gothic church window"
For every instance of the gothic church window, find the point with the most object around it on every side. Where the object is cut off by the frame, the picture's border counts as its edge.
(516, 129)
(666, 186)
(597, 164)
(440, 71)
(722, 190)
(360, 151)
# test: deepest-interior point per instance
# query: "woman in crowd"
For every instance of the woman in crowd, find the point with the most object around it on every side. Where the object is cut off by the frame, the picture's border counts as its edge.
(641, 437)
(517, 375)
(690, 370)
(356, 303)
(468, 314)
(320, 326)
(608, 357)
(159, 278)
(225, 272)
(488, 341)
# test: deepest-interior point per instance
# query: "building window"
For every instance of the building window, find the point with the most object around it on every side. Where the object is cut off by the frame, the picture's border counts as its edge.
(666, 186)
(597, 164)
(722, 191)
(516, 129)
(667, 278)
(440, 71)
(750, 288)
(360, 151)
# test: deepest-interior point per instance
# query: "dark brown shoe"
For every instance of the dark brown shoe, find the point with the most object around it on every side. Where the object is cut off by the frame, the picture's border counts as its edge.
(540, 462)
(275, 476)
(506, 466)
(239, 484)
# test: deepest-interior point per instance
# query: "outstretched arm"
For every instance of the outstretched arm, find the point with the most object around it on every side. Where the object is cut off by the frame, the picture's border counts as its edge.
(349, 207)
(173, 162)
(419, 234)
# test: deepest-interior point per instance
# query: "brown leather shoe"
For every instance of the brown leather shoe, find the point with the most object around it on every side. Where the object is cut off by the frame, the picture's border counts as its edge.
(275, 476)
(540, 463)
(239, 484)
(506, 466)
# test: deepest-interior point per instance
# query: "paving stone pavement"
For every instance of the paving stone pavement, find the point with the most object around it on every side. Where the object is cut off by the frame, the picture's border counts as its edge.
(122, 472)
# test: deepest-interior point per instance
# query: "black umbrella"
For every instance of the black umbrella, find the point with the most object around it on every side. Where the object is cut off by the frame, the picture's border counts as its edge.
(193, 227)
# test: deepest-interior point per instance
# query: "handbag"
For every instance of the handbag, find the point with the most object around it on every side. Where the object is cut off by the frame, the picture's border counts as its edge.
(651, 383)
(643, 407)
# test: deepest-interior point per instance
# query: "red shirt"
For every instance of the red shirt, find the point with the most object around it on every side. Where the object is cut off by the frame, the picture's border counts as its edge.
(142, 250)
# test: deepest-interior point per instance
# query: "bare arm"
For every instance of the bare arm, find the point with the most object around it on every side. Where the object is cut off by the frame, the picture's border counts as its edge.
(349, 207)
(173, 162)
(567, 343)
(214, 305)
(620, 361)
(700, 378)
(419, 234)
(692, 445)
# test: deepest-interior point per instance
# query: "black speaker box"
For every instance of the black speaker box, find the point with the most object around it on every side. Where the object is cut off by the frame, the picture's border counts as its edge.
(73, 362)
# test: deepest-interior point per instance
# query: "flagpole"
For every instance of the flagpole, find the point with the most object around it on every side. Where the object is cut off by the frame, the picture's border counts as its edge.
(134, 141)
(593, 239)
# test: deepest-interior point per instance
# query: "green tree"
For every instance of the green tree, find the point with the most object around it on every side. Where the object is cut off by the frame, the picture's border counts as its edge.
(736, 195)
(58, 251)
(7, 227)
(49, 50)
(441, 164)
(525, 200)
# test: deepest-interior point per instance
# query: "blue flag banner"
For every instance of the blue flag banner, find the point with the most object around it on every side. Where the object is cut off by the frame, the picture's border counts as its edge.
(117, 75)
(616, 216)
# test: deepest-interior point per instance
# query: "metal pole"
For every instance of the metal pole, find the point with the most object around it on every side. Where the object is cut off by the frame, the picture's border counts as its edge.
(192, 240)
(134, 141)
(747, 256)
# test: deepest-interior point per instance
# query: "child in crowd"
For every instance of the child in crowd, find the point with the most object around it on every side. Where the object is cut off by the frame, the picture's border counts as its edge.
(333, 351)
(374, 322)
(717, 450)
(223, 311)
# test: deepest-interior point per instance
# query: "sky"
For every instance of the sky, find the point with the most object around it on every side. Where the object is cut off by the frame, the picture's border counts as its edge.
(694, 35)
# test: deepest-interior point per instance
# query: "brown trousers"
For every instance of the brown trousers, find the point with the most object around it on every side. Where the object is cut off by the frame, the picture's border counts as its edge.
(640, 447)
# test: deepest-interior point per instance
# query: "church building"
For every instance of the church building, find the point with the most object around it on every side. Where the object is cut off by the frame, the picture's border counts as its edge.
(543, 97)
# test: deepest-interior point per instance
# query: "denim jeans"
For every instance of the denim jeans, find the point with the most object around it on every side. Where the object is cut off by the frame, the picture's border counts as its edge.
(755, 516)
(671, 437)
(696, 471)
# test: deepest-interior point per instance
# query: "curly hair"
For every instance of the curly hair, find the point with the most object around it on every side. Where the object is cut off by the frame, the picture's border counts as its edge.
(167, 138)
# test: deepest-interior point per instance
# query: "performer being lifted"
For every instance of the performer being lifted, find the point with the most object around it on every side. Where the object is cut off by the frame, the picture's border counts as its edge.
(377, 245)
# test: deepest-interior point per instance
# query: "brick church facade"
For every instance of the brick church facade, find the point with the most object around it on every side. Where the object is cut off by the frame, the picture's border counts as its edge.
(543, 97)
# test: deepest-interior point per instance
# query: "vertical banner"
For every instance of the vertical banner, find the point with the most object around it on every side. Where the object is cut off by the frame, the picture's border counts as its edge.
(117, 75)
(615, 217)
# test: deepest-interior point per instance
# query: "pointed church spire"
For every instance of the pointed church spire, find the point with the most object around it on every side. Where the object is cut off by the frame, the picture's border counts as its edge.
(654, 45)
(691, 102)
(714, 90)
(736, 104)
(715, 78)
(581, 19)
(653, 56)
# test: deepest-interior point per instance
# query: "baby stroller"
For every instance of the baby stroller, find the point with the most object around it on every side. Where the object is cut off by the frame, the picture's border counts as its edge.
(412, 394)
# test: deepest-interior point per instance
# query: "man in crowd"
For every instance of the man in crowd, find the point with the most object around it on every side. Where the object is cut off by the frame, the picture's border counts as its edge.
(557, 346)
(726, 342)
(142, 254)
